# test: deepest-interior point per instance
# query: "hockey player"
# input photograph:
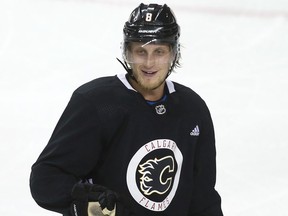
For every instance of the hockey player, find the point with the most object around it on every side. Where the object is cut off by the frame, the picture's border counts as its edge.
(133, 144)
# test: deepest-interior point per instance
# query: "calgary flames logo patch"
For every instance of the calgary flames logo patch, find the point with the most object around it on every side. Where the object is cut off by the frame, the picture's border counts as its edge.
(153, 174)
(154, 177)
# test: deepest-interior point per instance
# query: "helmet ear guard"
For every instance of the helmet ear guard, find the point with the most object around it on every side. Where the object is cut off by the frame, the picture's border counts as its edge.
(152, 23)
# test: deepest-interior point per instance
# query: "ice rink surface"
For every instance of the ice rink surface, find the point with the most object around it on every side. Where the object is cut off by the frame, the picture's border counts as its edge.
(234, 54)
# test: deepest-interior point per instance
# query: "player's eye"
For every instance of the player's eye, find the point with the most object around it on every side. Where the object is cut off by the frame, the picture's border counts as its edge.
(161, 52)
(140, 52)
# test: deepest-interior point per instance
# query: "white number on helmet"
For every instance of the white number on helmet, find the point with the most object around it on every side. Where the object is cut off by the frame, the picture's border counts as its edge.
(148, 17)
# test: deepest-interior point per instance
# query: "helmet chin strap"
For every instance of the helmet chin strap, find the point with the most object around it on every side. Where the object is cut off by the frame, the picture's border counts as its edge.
(129, 70)
(171, 68)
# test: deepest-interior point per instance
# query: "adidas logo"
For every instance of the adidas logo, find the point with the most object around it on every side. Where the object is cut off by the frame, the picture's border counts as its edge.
(195, 131)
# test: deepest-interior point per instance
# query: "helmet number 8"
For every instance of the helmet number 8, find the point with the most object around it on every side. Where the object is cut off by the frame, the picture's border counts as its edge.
(148, 17)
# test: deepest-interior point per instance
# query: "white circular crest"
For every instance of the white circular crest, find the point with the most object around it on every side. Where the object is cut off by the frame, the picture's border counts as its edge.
(132, 170)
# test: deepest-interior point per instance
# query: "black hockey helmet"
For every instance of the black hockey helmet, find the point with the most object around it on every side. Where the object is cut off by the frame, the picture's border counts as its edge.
(152, 22)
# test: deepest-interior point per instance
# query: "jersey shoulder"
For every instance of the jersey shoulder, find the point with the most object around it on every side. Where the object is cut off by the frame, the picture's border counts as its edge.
(187, 93)
(189, 100)
(99, 84)
(103, 89)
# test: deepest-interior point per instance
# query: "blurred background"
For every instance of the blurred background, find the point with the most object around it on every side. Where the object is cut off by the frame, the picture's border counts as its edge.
(234, 54)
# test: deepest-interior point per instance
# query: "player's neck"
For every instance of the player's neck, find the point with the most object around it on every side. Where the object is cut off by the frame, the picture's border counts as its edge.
(149, 94)
(152, 95)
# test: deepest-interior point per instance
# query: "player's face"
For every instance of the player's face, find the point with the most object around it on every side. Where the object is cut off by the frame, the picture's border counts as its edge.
(150, 63)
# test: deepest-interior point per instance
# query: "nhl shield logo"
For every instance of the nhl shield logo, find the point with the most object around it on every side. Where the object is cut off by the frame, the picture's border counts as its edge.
(160, 109)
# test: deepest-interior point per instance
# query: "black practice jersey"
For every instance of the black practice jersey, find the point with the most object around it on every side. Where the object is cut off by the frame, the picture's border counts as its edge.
(160, 155)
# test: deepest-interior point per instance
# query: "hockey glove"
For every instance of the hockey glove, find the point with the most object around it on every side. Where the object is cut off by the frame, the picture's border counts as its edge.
(96, 200)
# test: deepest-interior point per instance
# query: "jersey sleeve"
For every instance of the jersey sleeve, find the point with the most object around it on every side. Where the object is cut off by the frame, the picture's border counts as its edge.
(206, 200)
(70, 155)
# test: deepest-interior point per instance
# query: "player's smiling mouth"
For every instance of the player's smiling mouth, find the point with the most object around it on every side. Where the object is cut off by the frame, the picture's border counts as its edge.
(149, 73)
